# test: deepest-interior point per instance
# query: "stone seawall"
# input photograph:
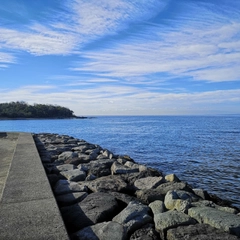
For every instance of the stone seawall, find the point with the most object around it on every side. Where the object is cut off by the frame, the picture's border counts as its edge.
(102, 195)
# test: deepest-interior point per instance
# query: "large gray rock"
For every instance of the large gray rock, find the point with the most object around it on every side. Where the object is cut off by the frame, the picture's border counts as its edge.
(122, 197)
(118, 168)
(219, 219)
(65, 186)
(70, 198)
(145, 233)
(134, 216)
(101, 167)
(157, 207)
(148, 182)
(149, 195)
(67, 155)
(172, 178)
(101, 231)
(171, 219)
(178, 200)
(198, 232)
(65, 167)
(95, 208)
(165, 187)
(74, 175)
(107, 183)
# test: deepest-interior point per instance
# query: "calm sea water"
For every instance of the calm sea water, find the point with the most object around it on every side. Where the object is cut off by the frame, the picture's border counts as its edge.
(204, 151)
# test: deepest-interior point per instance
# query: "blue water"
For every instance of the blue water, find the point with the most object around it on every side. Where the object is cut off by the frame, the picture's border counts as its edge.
(204, 151)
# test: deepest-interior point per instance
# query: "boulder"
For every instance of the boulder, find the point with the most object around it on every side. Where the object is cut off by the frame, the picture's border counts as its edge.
(147, 196)
(165, 187)
(74, 175)
(179, 200)
(147, 232)
(65, 186)
(198, 232)
(134, 216)
(201, 193)
(171, 219)
(107, 183)
(148, 182)
(70, 198)
(67, 155)
(123, 198)
(172, 178)
(65, 167)
(101, 231)
(118, 168)
(101, 168)
(219, 219)
(95, 208)
(157, 207)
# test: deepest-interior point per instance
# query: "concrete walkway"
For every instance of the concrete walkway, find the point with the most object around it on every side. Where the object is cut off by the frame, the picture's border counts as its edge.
(28, 209)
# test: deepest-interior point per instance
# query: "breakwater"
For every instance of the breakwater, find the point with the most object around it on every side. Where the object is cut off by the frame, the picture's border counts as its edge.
(102, 195)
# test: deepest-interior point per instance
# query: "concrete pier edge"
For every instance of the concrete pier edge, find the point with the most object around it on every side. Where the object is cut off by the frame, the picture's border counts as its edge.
(28, 209)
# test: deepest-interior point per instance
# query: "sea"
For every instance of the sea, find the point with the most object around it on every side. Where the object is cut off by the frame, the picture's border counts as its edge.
(201, 150)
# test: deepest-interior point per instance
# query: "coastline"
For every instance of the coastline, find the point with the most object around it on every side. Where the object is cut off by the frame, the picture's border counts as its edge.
(81, 173)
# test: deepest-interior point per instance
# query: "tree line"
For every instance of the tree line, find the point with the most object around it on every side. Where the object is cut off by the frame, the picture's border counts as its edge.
(24, 110)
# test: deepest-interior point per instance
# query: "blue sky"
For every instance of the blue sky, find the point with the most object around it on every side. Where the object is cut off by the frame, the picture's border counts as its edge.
(122, 57)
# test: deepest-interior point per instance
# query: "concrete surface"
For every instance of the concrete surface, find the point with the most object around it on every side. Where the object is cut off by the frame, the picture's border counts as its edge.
(28, 209)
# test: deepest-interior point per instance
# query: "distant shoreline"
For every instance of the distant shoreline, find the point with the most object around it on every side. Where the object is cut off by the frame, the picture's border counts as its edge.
(1, 118)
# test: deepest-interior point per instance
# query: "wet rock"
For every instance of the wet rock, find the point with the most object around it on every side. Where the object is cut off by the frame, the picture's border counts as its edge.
(74, 175)
(134, 216)
(107, 183)
(219, 219)
(198, 232)
(101, 231)
(148, 182)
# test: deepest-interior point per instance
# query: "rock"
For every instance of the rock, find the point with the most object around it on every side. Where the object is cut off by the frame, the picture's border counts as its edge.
(83, 158)
(74, 175)
(123, 198)
(107, 154)
(117, 168)
(172, 178)
(227, 209)
(201, 193)
(148, 182)
(149, 195)
(101, 231)
(134, 216)
(219, 219)
(101, 168)
(65, 167)
(53, 179)
(107, 183)
(95, 208)
(165, 187)
(67, 155)
(70, 198)
(179, 200)
(90, 177)
(157, 207)
(65, 186)
(198, 232)
(145, 233)
(171, 219)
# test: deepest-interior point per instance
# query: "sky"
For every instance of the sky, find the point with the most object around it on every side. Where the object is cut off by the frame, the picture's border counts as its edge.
(122, 57)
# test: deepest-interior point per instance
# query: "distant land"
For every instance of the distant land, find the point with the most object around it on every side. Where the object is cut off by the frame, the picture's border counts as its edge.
(22, 110)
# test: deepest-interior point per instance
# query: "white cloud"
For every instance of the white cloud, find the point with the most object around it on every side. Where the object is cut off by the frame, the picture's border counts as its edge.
(127, 100)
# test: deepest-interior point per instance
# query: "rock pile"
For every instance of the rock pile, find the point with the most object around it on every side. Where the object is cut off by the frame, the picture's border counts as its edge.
(106, 196)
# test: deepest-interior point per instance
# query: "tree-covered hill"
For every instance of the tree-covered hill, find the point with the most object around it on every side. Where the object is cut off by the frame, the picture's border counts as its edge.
(24, 110)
